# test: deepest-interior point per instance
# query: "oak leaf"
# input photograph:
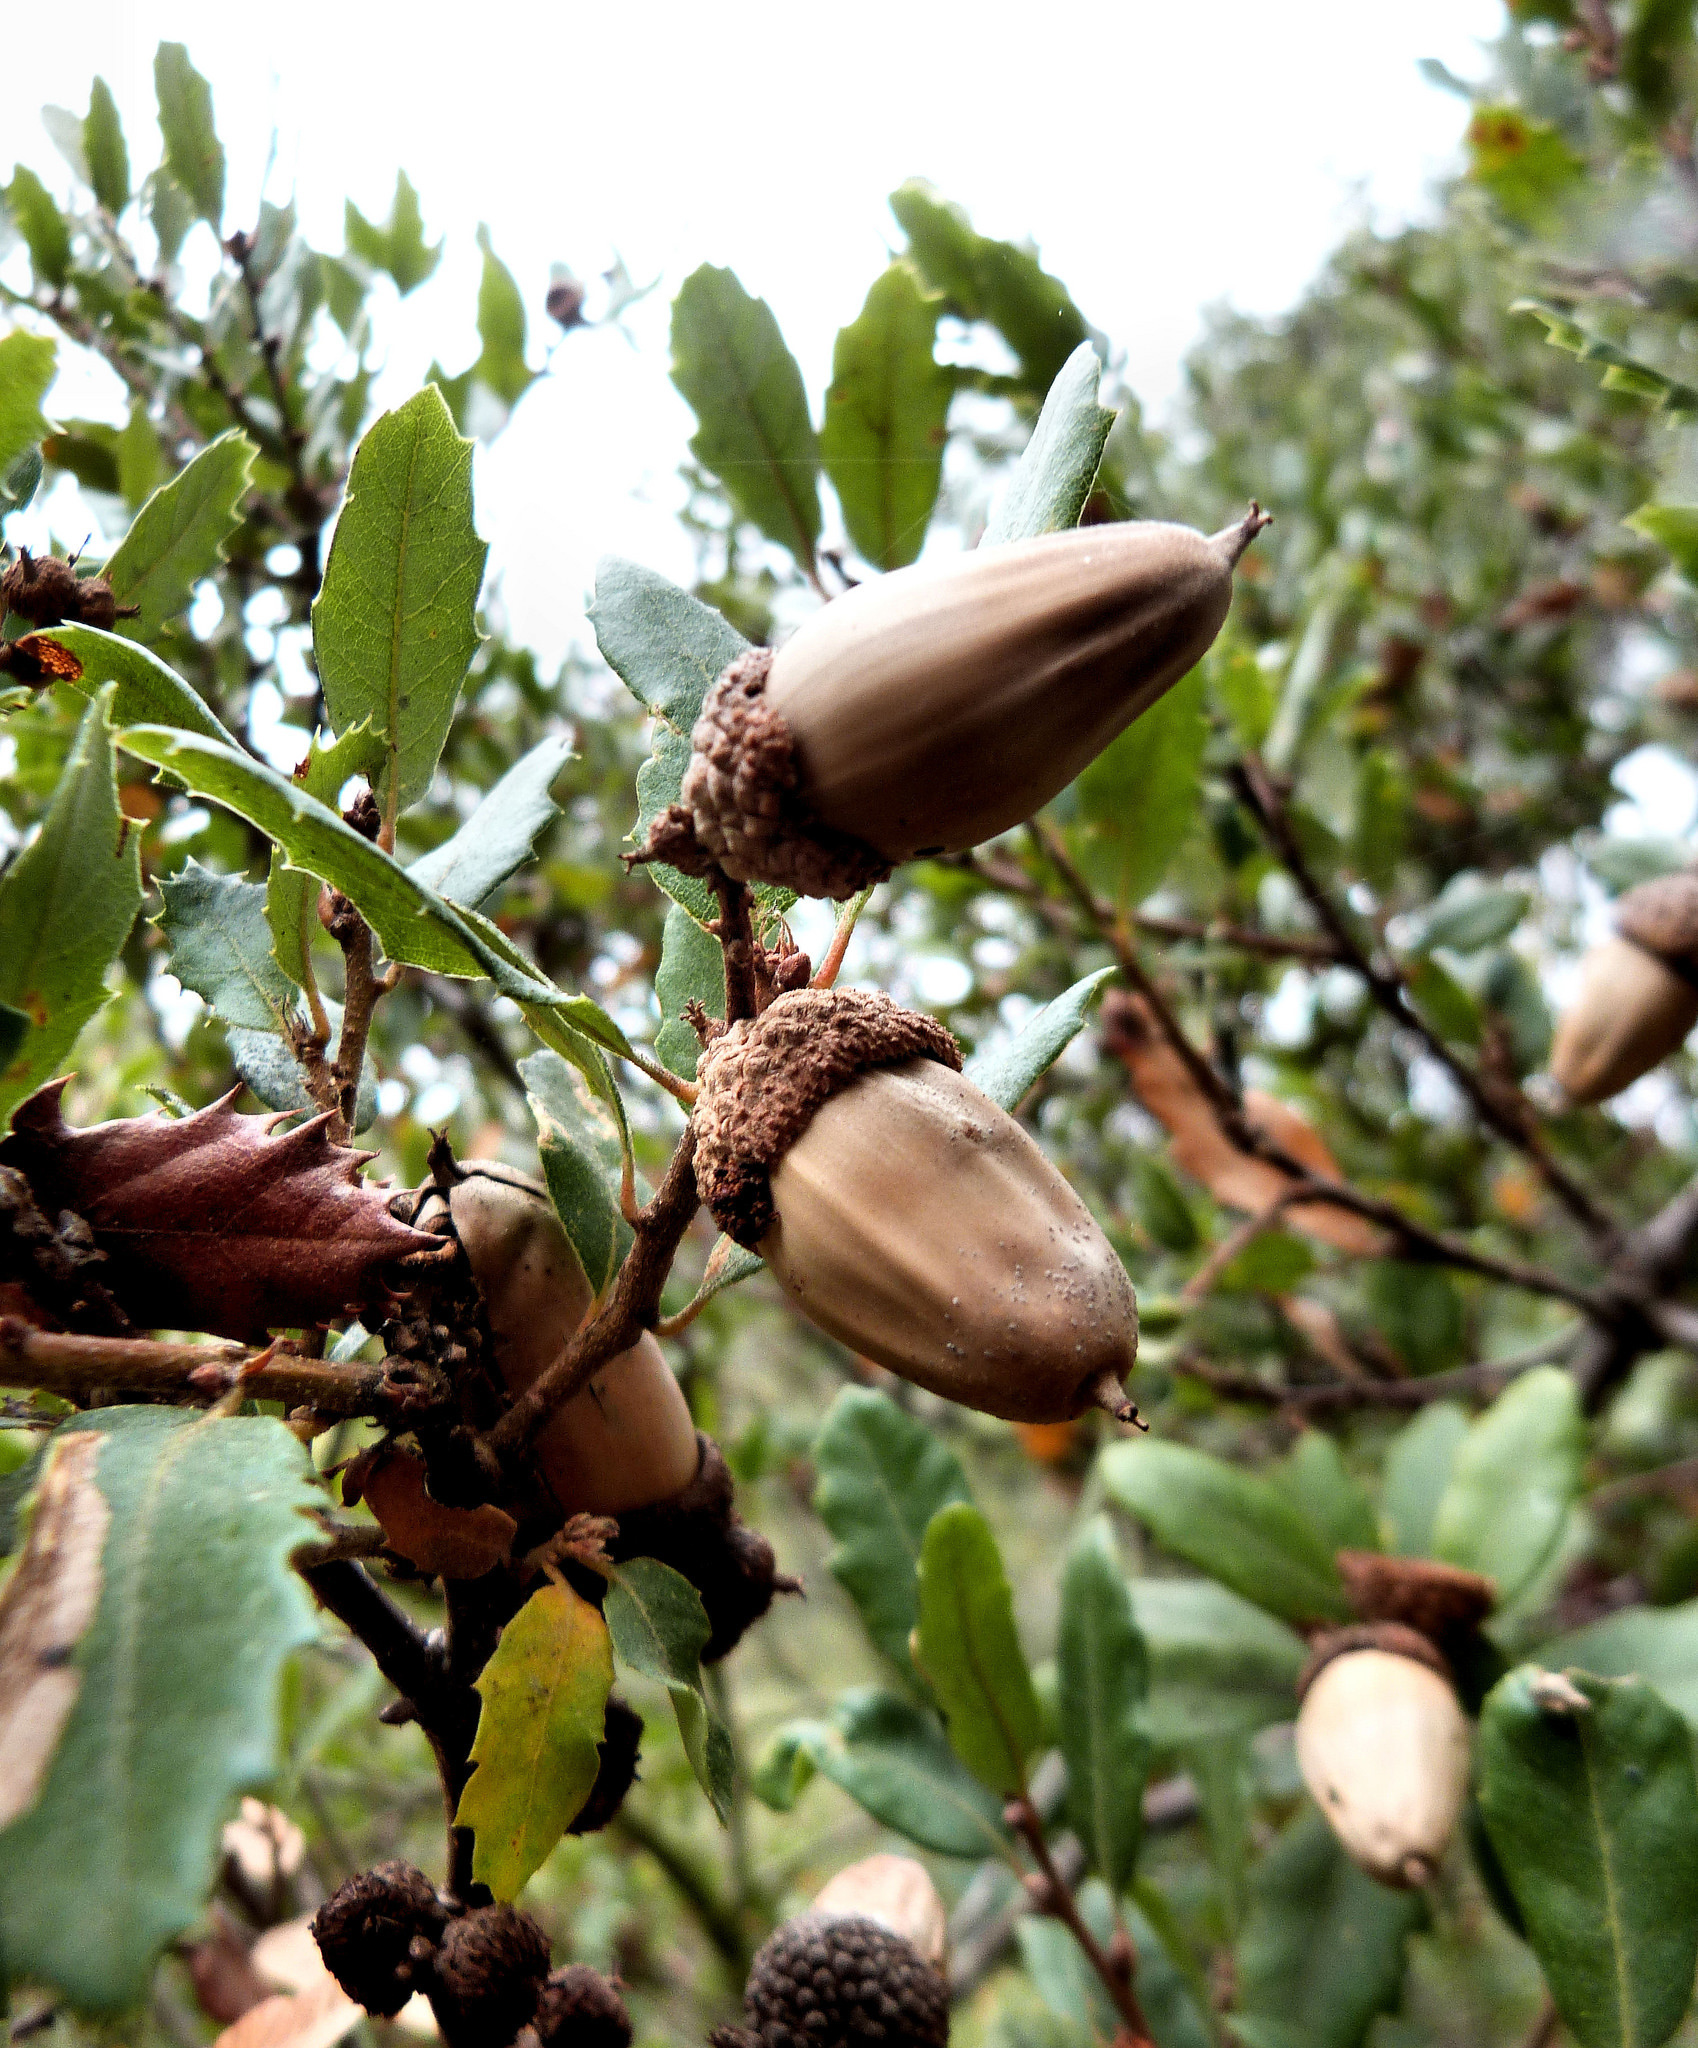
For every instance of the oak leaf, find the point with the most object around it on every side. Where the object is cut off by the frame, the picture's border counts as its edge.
(217, 1221)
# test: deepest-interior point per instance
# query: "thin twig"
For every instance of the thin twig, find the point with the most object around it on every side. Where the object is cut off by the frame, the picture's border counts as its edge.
(78, 1368)
(735, 932)
(1058, 1901)
(1469, 1382)
(1238, 1239)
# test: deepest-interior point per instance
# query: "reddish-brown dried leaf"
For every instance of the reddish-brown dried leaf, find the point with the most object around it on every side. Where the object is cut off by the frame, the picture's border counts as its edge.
(450, 1543)
(214, 1221)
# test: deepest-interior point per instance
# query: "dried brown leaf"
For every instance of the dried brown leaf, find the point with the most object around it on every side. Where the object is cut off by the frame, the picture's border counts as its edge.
(222, 1972)
(315, 2018)
(445, 1542)
(216, 1221)
(48, 1603)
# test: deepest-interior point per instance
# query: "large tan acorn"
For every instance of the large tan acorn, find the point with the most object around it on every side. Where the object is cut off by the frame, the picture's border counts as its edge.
(930, 709)
(627, 1440)
(1382, 1744)
(906, 1214)
(1638, 995)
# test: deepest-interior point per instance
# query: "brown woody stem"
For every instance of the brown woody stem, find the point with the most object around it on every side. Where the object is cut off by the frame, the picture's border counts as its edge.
(78, 1368)
(1058, 1901)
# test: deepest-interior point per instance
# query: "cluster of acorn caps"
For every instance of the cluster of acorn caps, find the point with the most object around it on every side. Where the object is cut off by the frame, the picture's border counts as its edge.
(862, 1968)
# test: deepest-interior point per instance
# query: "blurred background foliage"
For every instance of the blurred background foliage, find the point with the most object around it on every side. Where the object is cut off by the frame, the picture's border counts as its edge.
(1477, 689)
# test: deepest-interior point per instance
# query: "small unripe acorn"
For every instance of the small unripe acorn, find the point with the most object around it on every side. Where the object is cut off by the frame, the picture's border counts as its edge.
(907, 1214)
(928, 710)
(1382, 1744)
(895, 1891)
(1638, 995)
(627, 1440)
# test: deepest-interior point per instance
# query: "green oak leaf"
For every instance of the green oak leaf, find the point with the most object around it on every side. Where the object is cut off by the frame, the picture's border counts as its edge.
(1053, 478)
(967, 1650)
(178, 536)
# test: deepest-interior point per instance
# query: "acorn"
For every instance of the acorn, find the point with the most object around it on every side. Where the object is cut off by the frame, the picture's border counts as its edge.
(1382, 1743)
(578, 2008)
(928, 710)
(490, 1970)
(627, 1439)
(908, 1215)
(863, 1966)
(46, 590)
(378, 1935)
(1638, 995)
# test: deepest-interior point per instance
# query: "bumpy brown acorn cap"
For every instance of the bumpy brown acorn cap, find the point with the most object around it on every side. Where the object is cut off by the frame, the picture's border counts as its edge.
(741, 807)
(579, 2008)
(1391, 1636)
(489, 1974)
(763, 1080)
(829, 1983)
(1437, 1599)
(378, 1933)
(1662, 916)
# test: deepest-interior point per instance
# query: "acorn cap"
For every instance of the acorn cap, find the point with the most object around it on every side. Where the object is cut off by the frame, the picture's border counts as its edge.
(579, 2008)
(822, 1982)
(1437, 1599)
(490, 1968)
(762, 1081)
(898, 1893)
(1393, 1637)
(1662, 916)
(378, 1933)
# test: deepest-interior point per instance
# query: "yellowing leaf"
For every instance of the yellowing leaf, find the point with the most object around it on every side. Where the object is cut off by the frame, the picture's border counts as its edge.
(544, 1707)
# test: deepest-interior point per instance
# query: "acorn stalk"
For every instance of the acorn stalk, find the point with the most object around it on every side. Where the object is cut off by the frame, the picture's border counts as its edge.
(928, 710)
(906, 1214)
(1382, 1744)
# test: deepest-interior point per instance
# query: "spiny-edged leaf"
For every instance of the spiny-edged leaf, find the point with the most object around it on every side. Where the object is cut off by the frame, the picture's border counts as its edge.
(208, 1222)
(265, 1063)
(1322, 1953)
(38, 220)
(1234, 1525)
(26, 369)
(882, 1477)
(1417, 1470)
(660, 1628)
(496, 839)
(1102, 1676)
(178, 536)
(220, 946)
(1218, 1666)
(399, 246)
(1588, 1795)
(103, 147)
(291, 894)
(692, 969)
(1053, 477)
(193, 153)
(177, 1709)
(1315, 1479)
(730, 362)
(544, 1698)
(442, 1541)
(968, 1651)
(1622, 372)
(1138, 797)
(579, 1143)
(67, 903)
(665, 646)
(989, 280)
(501, 329)
(892, 1759)
(395, 625)
(1514, 1482)
(886, 415)
(1006, 1073)
(1658, 1644)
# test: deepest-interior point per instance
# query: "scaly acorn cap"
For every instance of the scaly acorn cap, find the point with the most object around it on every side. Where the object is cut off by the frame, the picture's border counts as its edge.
(926, 711)
(490, 1968)
(1662, 916)
(906, 1213)
(826, 1982)
(378, 1933)
(578, 2008)
(898, 1893)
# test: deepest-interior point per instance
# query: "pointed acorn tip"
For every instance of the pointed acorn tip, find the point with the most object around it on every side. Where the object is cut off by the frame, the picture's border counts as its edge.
(1231, 541)
(1106, 1392)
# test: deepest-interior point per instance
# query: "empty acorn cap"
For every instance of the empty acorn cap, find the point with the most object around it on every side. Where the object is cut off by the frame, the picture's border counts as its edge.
(897, 1893)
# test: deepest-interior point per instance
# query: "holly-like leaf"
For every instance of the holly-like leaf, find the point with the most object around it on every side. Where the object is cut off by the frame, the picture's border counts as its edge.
(496, 839)
(1622, 372)
(26, 370)
(1588, 1795)
(178, 536)
(692, 969)
(544, 1707)
(394, 626)
(38, 220)
(1514, 1482)
(208, 1223)
(967, 1649)
(893, 1760)
(885, 418)
(193, 153)
(103, 147)
(1138, 798)
(882, 1477)
(1322, 1953)
(1235, 1525)
(660, 1628)
(221, 947)
(581, 1161)
(179, 1668)
(1102, 1675)
(1218, 1666)
(730, 362)
(1007, 1072)
(1053, 478)
(67, 903)
(145, 691)
(291, 893)
(444, 1542)
(399, 246)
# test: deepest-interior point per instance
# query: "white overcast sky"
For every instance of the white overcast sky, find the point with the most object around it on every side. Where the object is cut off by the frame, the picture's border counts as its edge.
(1164, 156)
